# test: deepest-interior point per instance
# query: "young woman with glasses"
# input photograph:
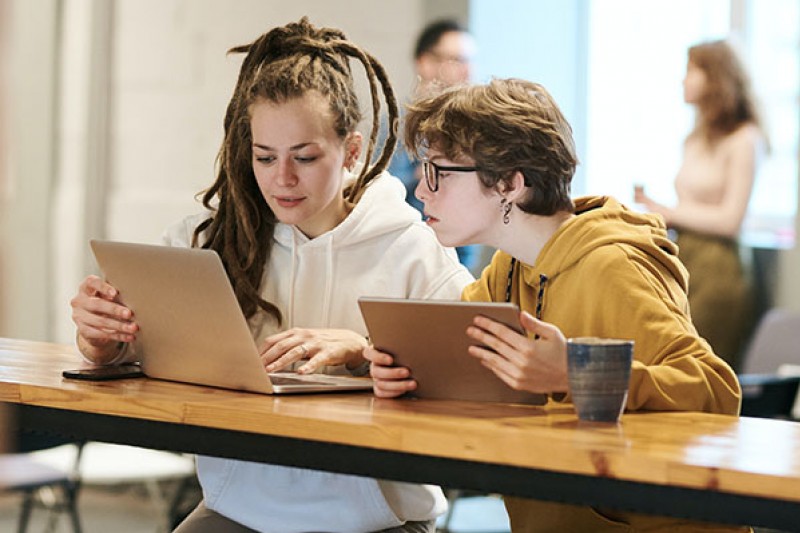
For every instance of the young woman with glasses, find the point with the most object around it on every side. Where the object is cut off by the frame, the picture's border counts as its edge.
(500, 159)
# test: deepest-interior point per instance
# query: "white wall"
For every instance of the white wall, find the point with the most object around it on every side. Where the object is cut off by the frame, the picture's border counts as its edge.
(5, 28)
(120, 143)
(172, 81)
(143, 89)
(25, 201)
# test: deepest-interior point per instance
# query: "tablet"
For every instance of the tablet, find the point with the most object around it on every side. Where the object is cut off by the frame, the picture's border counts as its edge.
(429, 337)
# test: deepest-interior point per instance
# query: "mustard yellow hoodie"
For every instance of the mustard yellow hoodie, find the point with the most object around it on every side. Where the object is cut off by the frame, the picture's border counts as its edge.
(612, 272)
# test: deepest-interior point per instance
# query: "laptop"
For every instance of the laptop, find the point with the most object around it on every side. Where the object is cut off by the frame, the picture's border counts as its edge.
(429, 337)
(192, 329)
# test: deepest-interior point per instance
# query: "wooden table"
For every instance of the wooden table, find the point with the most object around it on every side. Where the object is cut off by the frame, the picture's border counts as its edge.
(702, 466)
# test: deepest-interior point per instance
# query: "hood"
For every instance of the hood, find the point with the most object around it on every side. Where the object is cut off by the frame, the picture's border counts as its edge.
(381, 210)
(367, 220)
(603, 221)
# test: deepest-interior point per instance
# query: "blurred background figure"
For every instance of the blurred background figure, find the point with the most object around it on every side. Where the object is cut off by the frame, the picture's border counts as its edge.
(721, 156)
(443, 56)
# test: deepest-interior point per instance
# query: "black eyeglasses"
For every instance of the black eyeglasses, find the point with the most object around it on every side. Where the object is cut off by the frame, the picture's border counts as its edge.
(432, 171)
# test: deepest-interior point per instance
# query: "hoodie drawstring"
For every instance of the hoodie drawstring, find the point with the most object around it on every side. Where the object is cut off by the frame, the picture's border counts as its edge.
(510, 279)
(326, 301)
(329, 283)
(292, 280)
(539, 296)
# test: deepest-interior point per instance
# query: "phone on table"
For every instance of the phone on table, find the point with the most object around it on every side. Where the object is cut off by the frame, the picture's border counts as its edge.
(104, 373)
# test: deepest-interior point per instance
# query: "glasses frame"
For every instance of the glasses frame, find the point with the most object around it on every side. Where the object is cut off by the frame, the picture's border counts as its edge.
(432, 178)
(445, 58)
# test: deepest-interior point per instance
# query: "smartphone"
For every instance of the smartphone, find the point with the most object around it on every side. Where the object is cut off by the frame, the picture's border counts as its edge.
(103, 373)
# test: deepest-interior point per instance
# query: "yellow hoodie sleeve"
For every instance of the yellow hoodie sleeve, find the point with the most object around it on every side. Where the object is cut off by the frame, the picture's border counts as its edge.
(618, 292)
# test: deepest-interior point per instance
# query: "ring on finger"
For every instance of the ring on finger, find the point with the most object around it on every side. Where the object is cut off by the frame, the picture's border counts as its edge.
(305, 350)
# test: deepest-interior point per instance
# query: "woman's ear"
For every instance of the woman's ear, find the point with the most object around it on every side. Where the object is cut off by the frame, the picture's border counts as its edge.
(352, 149)
(513, 189)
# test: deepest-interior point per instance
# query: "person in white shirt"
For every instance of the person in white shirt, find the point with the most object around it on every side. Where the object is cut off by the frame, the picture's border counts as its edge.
(302, 234)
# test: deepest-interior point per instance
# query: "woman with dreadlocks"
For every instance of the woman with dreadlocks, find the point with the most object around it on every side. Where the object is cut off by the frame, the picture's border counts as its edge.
(301, 238)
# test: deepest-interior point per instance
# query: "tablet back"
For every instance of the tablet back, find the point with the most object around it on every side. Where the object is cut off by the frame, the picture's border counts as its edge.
(429, 337)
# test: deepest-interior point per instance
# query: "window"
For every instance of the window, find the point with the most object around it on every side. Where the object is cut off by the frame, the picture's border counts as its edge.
(772, 31)
(616, 68)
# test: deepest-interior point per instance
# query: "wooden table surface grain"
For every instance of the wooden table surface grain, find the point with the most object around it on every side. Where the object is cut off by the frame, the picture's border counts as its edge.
(747, 456)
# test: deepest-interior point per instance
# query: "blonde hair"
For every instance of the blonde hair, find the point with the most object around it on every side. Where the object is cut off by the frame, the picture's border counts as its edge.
(286, 63)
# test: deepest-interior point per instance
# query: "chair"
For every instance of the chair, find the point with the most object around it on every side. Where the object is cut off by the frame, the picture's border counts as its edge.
(792, 370)
(775, 342)
(769, 387)
(164, 475)
(40, 484)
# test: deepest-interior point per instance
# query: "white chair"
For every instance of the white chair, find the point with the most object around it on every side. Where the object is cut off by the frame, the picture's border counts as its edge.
(42, 485)
(162, 474)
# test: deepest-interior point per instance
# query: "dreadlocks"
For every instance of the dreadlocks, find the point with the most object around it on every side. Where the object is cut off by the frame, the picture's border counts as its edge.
(283, 64)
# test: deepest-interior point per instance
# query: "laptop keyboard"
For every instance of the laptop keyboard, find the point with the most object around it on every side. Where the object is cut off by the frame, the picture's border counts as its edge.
(314, 379)
(284, 380)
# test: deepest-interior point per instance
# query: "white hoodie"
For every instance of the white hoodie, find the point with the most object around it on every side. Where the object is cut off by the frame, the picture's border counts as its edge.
(381, 249)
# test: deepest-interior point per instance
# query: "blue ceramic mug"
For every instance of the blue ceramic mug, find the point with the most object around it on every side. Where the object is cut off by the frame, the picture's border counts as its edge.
(599, 372)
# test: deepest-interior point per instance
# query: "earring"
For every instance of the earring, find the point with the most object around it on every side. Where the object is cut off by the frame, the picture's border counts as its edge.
(505, 205)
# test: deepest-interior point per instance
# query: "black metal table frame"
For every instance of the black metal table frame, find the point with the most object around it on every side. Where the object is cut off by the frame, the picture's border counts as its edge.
(707, 505)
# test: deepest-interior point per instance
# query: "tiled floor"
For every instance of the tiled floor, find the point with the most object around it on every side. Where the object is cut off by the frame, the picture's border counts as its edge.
(129, 510)
(120, 511)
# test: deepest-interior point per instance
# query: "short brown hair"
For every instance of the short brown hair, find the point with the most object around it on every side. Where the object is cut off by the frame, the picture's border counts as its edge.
(507, 125)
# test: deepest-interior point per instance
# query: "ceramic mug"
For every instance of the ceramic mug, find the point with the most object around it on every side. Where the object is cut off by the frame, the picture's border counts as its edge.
(599, 372)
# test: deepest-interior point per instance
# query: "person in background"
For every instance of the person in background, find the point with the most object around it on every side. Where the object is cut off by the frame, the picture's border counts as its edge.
(303, 232)
(721, 156)
(498, 163)
(442, 58)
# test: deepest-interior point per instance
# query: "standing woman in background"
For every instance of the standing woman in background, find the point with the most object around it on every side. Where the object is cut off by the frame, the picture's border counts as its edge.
(720, 159)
